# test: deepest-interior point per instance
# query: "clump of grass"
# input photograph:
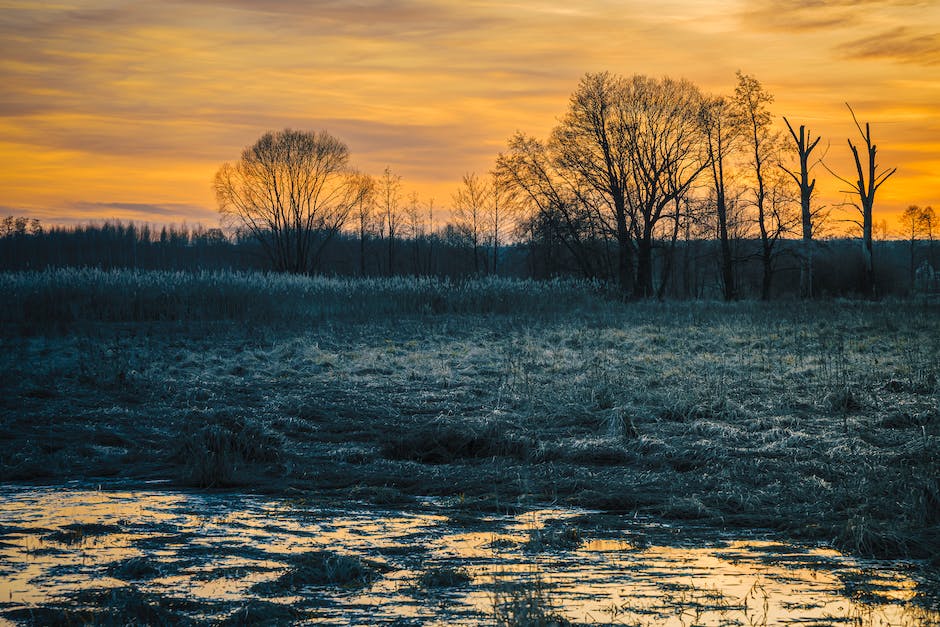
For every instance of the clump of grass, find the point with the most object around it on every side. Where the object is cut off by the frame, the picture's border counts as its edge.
(556, 538)
(216, 448)
(134, 569)
(322, 568)
(525, 603)
(258, 612)
(686, 508)
(130, 606)
(586, 451)
(76, 532)
(444, 577)
(864, 535)
(689, 407)
(445, 439)
(618, 425)
(844, 399)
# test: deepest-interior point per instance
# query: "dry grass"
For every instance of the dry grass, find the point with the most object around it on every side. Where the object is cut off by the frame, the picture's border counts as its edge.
(820, 419)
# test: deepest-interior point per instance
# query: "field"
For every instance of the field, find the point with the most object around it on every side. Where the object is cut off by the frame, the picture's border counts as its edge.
(818, 420)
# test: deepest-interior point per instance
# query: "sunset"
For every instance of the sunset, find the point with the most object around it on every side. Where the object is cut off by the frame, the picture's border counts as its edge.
(480, 313)
(126, 110)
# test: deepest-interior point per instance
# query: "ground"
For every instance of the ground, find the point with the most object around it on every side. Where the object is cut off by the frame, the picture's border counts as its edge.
(820, 419)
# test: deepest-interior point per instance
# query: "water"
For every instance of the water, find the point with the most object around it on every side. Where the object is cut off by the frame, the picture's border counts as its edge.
(203, 557)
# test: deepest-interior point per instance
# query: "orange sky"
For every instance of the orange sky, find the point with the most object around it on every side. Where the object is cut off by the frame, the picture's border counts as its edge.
(118, 109)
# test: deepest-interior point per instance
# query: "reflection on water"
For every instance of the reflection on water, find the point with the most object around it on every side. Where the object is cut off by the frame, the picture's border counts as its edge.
(213, 552)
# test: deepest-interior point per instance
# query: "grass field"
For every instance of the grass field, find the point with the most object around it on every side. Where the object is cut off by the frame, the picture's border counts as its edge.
(819, 419)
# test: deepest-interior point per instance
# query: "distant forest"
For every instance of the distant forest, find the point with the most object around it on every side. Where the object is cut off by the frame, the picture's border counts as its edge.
(691, 268)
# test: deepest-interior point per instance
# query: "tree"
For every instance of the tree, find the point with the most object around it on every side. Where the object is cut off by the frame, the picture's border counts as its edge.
(722, 133)
(804, 148)
(389, 200)
(662, 123)
(592, 144)
(752, 102)
(636, 143)
(413, 216)
(470, 202)
(554, 209)
(501, 210)
(917, 223)
(930, 220)
(870, 179)
(365, 205)
(292, 191)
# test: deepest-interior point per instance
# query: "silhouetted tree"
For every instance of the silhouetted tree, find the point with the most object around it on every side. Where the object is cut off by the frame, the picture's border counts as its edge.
(292, 191)
(501, 211)
(804, 148)
(555, 210)
(870, 179)
(593, 144)
(722, 132)
(666, 157)
(469, 215)
(362, 213)
(752, 102)
(389, 204)
(413, 220)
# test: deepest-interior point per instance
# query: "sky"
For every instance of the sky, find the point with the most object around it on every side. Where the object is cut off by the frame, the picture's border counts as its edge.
(125, 110)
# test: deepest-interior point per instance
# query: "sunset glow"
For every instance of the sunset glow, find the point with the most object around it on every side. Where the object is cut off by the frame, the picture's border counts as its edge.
(126, 110)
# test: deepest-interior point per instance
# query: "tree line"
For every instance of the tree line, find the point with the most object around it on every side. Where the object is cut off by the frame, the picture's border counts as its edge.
(647, 184)
(634, 166)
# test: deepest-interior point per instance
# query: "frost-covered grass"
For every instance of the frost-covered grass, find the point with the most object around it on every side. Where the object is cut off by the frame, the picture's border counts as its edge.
(821, 420)
(53, 298)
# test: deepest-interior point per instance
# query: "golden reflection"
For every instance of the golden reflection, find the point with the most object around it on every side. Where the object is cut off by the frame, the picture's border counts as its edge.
(216, 548)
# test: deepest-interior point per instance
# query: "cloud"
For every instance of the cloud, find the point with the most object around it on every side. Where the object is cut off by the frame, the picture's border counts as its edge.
(128, 210)
(900, 44)
(812, 15)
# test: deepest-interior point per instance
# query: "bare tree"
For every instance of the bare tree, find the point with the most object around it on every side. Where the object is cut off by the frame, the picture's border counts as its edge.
(662, 123)
(870, 179)
(292, 191)
(918, 224)
(930, 221)
(552, 205)
(722, 133)
(430, 236)
(752, 102)
(414, 219)
(470, 202)
(636, 143)
(804, 148)
(592, 144)
(389, 191)
(362, 213)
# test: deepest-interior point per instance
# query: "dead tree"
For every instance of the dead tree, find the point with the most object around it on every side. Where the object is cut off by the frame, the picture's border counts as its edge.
(868, 182)
(804, 148)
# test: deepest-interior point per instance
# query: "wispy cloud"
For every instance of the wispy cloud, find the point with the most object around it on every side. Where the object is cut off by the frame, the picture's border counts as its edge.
(900, 44)
(809, 15)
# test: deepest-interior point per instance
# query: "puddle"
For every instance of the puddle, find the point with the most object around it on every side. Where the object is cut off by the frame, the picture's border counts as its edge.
(207, 557)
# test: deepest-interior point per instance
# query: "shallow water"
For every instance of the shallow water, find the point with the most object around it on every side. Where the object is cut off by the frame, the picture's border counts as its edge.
(201, 554)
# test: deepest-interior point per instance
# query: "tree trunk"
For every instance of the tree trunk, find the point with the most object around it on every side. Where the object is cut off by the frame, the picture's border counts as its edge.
(644, 266)
(624, 257)
(867, 251)
(727, 263)
(768, 274)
